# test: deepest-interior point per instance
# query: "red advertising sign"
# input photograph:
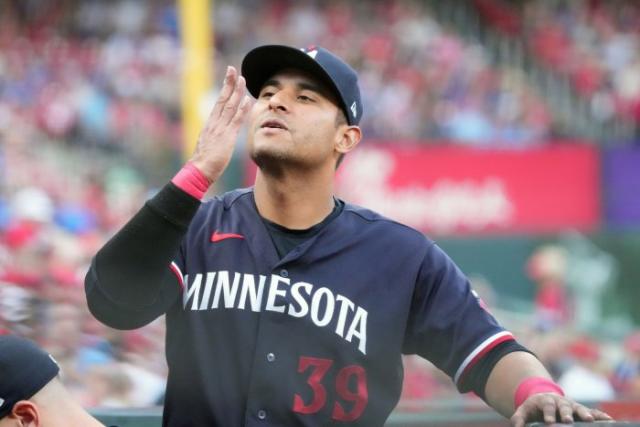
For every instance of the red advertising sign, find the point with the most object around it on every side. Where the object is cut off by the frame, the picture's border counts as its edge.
(448, 190)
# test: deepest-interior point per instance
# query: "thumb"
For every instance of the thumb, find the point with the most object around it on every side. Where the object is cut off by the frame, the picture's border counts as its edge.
(517, 420)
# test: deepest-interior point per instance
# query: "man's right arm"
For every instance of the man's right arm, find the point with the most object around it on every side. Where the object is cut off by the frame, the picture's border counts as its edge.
(130, 281)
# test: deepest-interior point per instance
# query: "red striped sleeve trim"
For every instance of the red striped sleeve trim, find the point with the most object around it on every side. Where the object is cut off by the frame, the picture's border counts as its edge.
(480, 351)
(176, 270)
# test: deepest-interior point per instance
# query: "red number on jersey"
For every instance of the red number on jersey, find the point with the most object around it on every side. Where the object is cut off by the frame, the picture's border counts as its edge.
(320, 368)
(358, 396)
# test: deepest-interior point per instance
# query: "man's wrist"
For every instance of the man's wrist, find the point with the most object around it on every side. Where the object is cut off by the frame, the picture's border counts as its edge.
(192, 181)
(535, 385)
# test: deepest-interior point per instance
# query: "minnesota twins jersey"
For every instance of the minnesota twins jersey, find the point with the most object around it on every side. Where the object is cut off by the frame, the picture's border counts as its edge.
(314, 338)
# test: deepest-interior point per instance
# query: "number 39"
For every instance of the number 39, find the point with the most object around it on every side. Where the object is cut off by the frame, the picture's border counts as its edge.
(319, 368)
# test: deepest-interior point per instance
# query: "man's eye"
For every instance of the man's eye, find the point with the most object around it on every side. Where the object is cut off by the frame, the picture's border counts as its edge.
(304, 98)
(266, 94)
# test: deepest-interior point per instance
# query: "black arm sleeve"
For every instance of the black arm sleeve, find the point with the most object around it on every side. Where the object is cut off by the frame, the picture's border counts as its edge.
(129, 282)
(476, 379)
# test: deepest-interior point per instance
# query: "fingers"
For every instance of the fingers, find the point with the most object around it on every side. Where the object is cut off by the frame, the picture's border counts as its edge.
(587, 414)
(518, 418)
(227, 89)
(529, 410)
(549, 409)
(242, 111)
(554, 408)
(231, 106)
(583, 412)
(601, 415)
(565, 411)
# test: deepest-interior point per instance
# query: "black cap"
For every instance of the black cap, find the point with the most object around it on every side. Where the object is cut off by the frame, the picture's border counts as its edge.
(24, 370)
(263, 62)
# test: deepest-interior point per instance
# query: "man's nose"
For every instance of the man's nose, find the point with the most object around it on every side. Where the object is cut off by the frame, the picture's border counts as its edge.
(279, 101)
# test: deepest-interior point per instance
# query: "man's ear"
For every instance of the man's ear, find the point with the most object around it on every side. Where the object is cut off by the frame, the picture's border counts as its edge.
(348, 139)
(26, 413)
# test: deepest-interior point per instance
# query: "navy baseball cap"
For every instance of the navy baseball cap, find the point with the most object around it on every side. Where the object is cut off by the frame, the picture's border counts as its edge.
(263, 62)
(24, 370)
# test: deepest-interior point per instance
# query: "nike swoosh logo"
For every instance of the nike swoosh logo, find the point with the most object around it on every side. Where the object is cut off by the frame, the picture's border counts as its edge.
(218, 237)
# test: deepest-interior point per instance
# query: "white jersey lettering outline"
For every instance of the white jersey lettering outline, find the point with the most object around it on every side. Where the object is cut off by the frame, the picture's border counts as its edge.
(319, 303)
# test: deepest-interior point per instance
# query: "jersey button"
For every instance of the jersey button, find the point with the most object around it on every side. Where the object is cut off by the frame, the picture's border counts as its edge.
(271, 357)
(262, 414)
(284, 273)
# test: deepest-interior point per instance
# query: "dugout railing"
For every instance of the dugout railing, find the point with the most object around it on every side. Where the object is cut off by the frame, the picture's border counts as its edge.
(151, 417)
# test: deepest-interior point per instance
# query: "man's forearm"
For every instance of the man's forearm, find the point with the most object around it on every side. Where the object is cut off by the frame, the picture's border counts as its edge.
(130, 281)
(505, 377)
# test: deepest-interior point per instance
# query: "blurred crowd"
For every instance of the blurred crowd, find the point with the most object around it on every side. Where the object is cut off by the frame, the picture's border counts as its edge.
(90, 125)
(589, 366)
(105, 73)
(597, 45)
(593, 43)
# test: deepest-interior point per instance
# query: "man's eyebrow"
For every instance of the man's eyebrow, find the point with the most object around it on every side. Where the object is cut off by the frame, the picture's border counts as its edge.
(302, 86)
(312, 87)
(271, 82)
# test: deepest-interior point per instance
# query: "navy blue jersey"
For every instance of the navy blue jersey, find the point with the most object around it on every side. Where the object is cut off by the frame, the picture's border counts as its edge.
(314, 338)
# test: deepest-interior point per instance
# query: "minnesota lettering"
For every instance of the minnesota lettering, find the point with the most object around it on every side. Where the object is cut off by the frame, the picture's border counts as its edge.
(243, 291)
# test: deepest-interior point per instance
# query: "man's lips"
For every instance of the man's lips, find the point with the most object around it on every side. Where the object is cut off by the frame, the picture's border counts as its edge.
(273, 124)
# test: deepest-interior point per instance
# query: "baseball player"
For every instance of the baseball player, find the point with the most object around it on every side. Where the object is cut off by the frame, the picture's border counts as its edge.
(286, 306)
(31, 393)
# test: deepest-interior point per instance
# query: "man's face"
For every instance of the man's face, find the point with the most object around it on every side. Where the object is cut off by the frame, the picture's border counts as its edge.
(294, 122)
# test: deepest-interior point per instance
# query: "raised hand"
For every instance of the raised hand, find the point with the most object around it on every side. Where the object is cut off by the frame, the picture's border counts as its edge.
(218, 137)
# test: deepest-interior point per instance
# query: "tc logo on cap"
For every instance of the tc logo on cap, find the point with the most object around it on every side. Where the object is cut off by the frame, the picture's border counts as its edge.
(312, 51)
(1, 402)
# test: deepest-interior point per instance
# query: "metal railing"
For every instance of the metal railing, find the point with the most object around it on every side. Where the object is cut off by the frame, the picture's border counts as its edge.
(152, 417)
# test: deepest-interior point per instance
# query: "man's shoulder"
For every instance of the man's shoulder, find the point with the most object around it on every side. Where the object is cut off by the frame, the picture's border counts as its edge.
(235, 202)
(240, 197)
(382, 224)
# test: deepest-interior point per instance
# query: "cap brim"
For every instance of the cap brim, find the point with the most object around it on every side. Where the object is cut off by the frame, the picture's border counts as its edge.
(263, 62)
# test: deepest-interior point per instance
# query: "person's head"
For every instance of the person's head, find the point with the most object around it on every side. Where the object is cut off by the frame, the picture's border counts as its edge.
(585, 351)
(308, 107)
(25, 370)
(30, 393)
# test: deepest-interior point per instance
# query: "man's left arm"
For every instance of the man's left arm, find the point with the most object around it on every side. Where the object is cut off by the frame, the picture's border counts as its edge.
(519, 379)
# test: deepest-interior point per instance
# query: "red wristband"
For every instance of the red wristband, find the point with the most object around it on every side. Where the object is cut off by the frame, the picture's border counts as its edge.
(192, 181)
(534, 385)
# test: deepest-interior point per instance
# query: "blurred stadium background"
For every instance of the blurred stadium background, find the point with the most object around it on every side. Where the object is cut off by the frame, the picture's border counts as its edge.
(507, 131)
